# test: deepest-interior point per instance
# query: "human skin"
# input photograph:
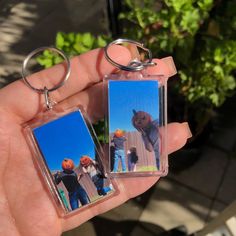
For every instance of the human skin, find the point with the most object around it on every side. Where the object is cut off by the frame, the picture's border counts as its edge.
(25, 206)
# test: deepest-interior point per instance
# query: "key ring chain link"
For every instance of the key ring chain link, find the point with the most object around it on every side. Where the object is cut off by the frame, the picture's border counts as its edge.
(46, 90)
(134, 65)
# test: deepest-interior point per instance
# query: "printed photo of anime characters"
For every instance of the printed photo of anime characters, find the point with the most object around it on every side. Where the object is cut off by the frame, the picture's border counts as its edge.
(134, 136)
(70, 154)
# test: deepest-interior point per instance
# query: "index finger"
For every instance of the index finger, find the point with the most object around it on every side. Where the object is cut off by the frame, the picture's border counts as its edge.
(86, 70)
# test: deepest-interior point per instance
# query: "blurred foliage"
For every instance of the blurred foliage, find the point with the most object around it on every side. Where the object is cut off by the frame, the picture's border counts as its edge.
(71, 44)
(199, 34)
(100, 130)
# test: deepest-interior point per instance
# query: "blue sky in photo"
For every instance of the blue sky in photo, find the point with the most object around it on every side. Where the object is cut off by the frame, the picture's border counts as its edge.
(124, 96)
(66, 137)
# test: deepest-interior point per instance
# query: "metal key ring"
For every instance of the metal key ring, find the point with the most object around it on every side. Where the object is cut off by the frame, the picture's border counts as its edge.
(35, 52)
(134, 65)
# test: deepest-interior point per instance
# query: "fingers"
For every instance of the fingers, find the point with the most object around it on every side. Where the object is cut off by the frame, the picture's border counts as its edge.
(92, 98)
(86, 70)
(128, 188)
(178, 134)
(164, 66)
(93, 103)
(86, 214)
(171, 65)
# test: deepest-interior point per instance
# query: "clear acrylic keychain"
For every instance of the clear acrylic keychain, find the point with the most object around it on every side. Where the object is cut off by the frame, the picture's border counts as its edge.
(66, 150)
(136, 117)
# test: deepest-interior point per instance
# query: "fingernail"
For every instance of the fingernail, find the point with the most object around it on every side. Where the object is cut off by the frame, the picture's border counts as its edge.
(170, 64)
(188, 131)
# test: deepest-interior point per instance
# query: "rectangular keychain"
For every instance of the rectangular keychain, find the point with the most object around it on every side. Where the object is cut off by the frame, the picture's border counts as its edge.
(136, 118)
(66, 152)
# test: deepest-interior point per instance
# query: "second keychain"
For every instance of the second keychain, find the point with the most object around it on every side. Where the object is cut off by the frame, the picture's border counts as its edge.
(136, 117)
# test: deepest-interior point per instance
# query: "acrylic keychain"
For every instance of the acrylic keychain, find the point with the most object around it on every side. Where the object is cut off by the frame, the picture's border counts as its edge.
(66, 150)
(136, 117)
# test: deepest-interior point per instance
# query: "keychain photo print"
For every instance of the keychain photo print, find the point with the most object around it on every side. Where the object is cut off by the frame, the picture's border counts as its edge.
(136, 117)
(66, 150)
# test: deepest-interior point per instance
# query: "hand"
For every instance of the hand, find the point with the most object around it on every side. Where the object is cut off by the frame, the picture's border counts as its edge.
(25, 206)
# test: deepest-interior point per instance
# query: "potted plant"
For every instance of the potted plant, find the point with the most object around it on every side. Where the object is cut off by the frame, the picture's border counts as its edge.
(200, 35)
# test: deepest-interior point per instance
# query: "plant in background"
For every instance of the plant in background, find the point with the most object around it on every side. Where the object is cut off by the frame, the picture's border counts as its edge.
(72, 44)
(201, 37)
(199, 34)
(209, 78)
(163, 25)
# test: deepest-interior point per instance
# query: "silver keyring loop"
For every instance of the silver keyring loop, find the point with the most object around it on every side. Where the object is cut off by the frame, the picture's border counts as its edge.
(35, 52)
(137, 66)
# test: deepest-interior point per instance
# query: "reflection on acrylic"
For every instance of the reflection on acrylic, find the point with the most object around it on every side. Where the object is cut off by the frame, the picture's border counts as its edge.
(70, 154)
(134, 126)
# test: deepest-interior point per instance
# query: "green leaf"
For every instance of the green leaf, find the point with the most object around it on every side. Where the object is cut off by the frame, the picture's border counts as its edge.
(208, 65)
(47, 54)
(40, 60)
(78, 38)
(122, 15)
(101, 42)
(163, 44)
(47, 62)
(183, 76)
(218, 70)
(60, 40)
(218, 56)
(190, 96)
(177, 5)
(140, 18)
(231, 82)
(88, 40)
(165, 23)
(214, 98)
(80, 48)
(71, 37)
(58, 60)
(205, 5)
(130, 3)
(191, 21)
